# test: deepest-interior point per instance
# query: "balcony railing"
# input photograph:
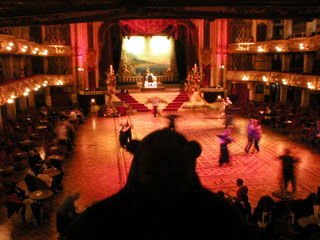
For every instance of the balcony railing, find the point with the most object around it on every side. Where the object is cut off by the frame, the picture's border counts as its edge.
(22, 87)
(289, 79)
(302, 44)
(11, 45)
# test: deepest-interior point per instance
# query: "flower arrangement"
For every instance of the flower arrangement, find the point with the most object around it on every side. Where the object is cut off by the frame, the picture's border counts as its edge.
(111, 112)
(193, 80)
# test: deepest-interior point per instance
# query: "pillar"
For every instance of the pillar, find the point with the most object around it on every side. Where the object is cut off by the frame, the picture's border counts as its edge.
(31, 102)
(269, 29)
(311, 27)
(287, 28)
(220, 51)
(305, 98)
(283, 94)
(286, 58)
(23, 103)
(47, 96)
(11, 110)
(307, 63)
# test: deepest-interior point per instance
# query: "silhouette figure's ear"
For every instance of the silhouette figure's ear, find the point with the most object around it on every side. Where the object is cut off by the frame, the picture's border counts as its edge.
(132, 146)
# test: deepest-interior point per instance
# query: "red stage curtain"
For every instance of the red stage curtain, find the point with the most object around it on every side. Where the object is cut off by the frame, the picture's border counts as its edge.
(146, 27)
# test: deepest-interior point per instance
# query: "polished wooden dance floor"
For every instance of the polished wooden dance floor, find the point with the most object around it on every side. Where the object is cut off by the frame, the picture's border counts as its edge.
(98, 167)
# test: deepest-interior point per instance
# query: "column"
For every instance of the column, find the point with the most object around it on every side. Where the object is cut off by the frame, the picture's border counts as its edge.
(73, 37)
(254, 29)
(307, 63)
(269, 29)
(220, 51)
(82, 49)
(31, 102)
(11, 110)
(305, 98)
(47, 96)
(287, 25)
(286, 58)
(311, 27)
(283, 94)
(22, 103)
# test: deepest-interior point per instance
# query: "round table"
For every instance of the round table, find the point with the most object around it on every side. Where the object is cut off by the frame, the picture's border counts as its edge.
(41, 194)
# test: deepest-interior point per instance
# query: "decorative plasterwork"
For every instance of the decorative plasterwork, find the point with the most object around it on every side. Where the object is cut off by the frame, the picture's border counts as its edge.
(20, 87)
(11, 45)
(303, 44)
(289, 79)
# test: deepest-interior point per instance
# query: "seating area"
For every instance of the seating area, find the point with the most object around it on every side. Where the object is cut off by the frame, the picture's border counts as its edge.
(297, 122)
(33, 148)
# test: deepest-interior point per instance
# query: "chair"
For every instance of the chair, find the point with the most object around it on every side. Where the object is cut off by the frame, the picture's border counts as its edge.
(34, 183)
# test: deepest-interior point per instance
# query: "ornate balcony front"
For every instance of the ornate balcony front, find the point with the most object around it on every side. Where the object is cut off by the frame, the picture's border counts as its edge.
(22, 87)
(289, 79)
(11, 45)
(303, 44)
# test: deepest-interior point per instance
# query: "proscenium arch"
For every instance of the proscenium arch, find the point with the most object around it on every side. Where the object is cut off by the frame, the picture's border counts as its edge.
(106, 27)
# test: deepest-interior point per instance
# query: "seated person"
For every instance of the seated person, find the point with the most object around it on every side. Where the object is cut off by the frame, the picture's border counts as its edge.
(14, 200)
(34, 160)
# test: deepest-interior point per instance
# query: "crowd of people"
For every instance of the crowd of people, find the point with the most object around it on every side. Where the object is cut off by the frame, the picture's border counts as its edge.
(35, 146)
(163, 193)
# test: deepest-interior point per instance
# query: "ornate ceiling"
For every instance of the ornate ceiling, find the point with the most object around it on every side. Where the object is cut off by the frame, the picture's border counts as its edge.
(44, 12)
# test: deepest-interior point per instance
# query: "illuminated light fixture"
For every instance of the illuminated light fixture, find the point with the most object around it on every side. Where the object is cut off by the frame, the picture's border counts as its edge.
(245, 78)
(25, 47)
(80, 69)
(27, 90)
(10, 44)
(34, 52)
(37, 49)
(219, 97)
(260, 49)
(36, 89)
(221, 66)
(279, 49)
(25, 93)
(44, 84)
(59, 82)
(284, 81)
(9, 48)
(93, 100)
(13, 96)
(10, 100)
(23, 50)
(310, 85)
(134, 44)
(38, 86)
(160, 44)
(264, 78)
(301, 46)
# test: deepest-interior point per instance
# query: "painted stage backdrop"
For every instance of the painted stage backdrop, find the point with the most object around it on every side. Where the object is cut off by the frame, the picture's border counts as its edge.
(156, 53)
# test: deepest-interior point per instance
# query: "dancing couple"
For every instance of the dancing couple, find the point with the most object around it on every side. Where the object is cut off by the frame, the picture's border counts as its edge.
(254, 135)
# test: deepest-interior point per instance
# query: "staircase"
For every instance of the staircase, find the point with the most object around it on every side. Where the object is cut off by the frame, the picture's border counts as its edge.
(177, 102)
(139, 107)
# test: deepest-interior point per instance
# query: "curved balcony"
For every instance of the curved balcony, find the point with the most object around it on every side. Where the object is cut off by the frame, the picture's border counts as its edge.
(288, 79)
(22, 87)
(11, 45)
(302, 44)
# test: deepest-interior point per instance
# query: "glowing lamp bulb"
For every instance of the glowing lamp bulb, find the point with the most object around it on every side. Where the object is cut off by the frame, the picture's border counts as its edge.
(93, 100)
(10, 100)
